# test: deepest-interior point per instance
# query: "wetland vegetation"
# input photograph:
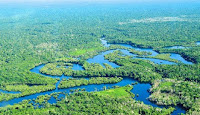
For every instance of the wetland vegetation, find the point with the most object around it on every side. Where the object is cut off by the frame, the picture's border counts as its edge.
(100, 59)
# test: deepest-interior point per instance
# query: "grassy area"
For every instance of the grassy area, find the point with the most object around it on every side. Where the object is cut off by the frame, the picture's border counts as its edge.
(94, 80)
(164, 57)
(166, 84)
(24, 90)
(78, 52)
(117, 92)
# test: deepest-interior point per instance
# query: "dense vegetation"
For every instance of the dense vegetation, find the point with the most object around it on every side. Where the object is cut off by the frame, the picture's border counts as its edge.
(191, 53)
(182, 72)
(164, 57)
(88, 103)
(34, 37)
(24, 90)
(62, 36)
(173, 92)
(129, 68)
(78, 82)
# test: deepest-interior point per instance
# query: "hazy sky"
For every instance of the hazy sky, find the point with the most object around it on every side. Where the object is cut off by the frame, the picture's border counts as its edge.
(92, 1)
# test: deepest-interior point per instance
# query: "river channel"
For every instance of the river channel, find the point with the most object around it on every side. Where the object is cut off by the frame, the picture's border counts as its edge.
(141, 88)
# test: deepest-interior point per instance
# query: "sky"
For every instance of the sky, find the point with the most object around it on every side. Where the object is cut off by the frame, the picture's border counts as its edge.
(91, 1)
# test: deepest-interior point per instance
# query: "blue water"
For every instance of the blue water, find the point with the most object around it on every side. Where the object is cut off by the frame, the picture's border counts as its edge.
(37, 70)
(104, 42)
(61, 78)
(11, 92)
(101, 60)
(154, 53)
(141, 88)
(52, 100)
(77, 67)
(179, 58)
(156, 61)
(126, 52)
(181, 47)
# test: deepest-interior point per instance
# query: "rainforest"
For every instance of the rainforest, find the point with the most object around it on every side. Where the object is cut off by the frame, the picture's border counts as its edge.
(100, 58)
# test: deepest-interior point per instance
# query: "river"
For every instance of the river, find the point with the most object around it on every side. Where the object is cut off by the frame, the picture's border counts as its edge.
(141, 88)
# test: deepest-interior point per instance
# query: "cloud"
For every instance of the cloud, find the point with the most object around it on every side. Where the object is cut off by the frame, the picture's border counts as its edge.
(156, 19)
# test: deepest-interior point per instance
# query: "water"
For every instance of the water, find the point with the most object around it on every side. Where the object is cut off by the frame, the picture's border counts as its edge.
(153, 53)
(126, 52)
(37, 70)
(157, 61)
(179, 58)
(141, 88)
(77, 67)
(175, 47)
(9, 92)
(101, 60)
(52, 100)
(62, 77)
(181, 47)
(104, 42)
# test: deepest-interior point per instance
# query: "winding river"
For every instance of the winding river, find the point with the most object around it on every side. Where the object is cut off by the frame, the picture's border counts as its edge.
(141, 88)
(153, 53)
